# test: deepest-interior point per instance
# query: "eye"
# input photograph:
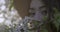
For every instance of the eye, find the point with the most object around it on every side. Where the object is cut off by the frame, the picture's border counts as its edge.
(32, 9)
(44, 12)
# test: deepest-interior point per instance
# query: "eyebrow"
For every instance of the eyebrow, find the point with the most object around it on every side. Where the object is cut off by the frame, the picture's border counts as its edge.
(41, 7)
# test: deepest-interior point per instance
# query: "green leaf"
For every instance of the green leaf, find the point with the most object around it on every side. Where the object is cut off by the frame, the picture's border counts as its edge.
(11, 5)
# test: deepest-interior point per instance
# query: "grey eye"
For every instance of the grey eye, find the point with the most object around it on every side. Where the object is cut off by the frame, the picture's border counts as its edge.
(44, 12)
(32, 9)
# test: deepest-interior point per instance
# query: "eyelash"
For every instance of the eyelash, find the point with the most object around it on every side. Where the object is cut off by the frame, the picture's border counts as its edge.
(44, 12)
(32, 8)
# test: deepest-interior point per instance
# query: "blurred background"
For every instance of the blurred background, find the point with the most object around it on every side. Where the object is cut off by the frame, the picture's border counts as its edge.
(29, 16)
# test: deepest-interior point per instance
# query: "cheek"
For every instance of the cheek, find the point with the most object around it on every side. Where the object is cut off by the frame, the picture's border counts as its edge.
(38, 16)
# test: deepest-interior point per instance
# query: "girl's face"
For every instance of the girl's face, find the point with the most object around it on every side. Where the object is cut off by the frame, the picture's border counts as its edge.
(37, 7)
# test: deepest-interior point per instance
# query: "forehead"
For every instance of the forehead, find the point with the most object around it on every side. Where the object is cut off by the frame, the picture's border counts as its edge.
(36, 4)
